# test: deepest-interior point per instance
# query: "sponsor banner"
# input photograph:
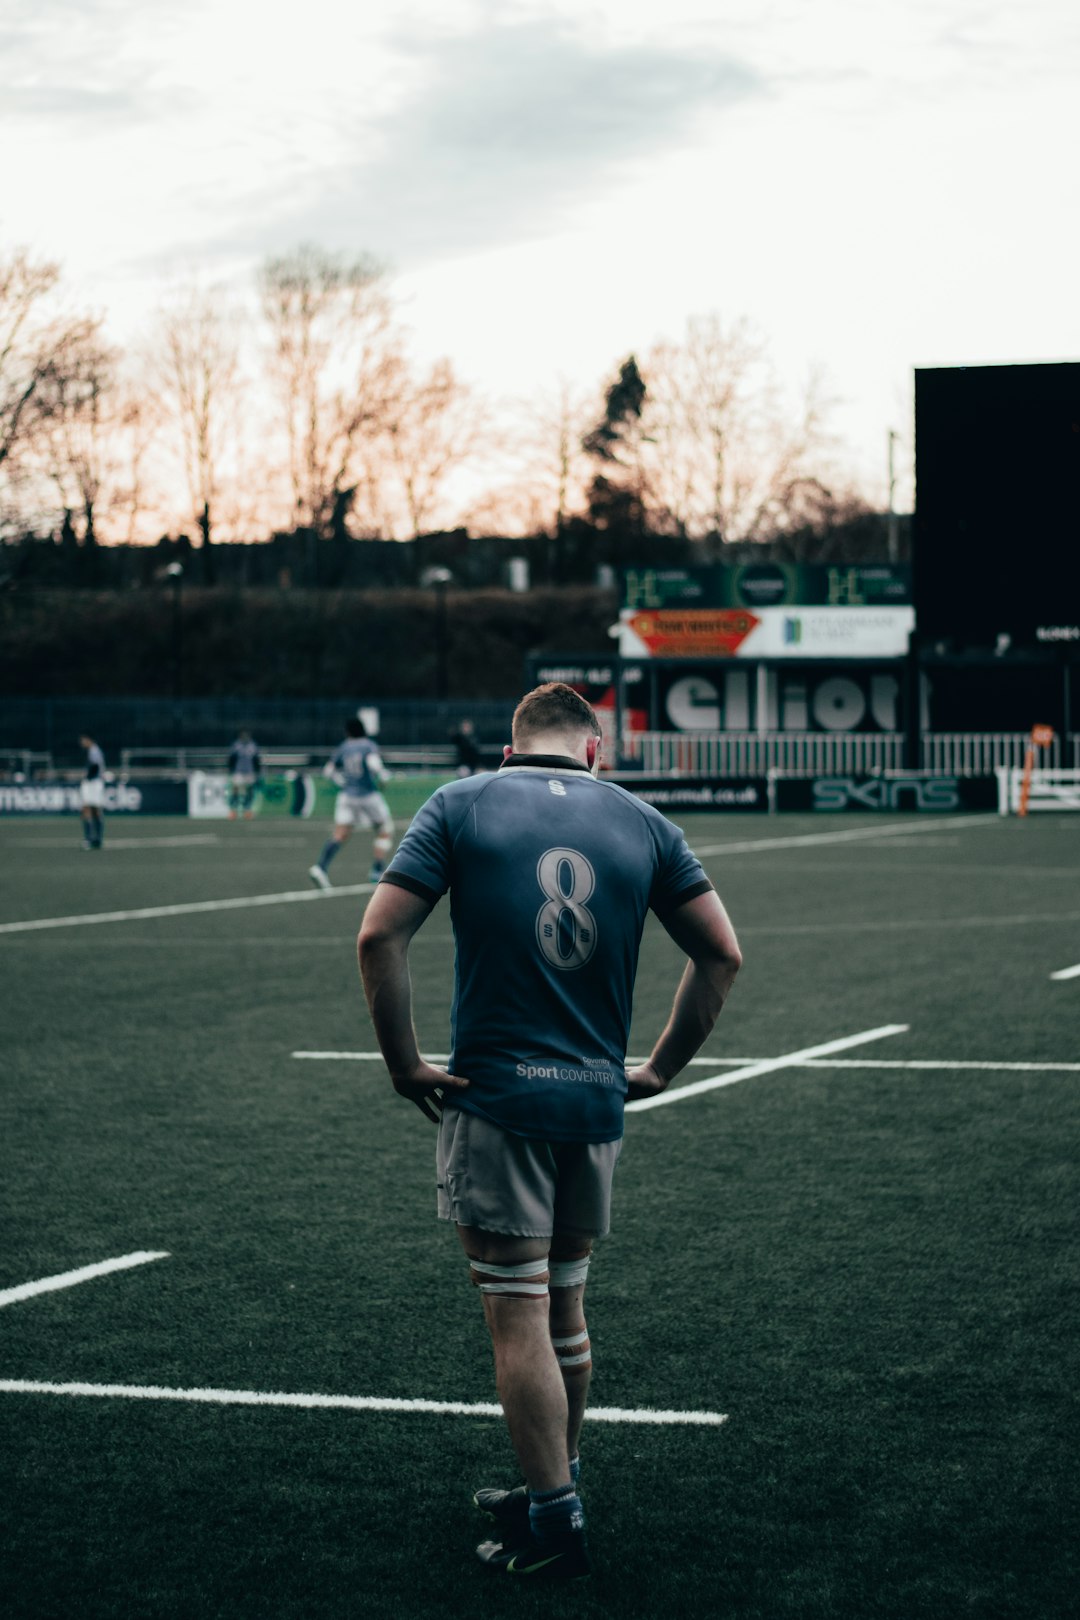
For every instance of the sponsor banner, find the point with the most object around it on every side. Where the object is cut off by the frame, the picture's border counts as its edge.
(121, 798)
(688, 632)
(769, 632)
(206, 795)
(767, 585)
(907, 791)
(682, 793)
(596, 680)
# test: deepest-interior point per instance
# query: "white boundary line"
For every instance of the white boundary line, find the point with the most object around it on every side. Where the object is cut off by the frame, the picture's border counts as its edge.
(765, 1066)
(241, 903)
(68, 1279)
(351, 1403)
(806, 840)
(1067, 973)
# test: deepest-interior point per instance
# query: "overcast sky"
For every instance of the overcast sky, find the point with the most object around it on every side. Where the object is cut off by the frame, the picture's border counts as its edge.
(876, 186)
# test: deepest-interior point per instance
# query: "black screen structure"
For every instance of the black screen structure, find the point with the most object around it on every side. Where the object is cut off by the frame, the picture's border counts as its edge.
(996, 537)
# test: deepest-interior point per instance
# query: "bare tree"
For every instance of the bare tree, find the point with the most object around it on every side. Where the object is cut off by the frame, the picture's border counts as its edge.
(728, 457)
(75, 429)
(37, 346)
(137, 422)
(336, 364)
(434, 426)
(197, 361)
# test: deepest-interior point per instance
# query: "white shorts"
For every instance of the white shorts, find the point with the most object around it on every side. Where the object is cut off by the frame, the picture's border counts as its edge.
(370, 811)
(92, 794)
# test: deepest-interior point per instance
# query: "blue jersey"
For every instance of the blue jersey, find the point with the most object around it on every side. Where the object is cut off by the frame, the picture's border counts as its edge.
(551, 874)
(244, 757)
(357, 767)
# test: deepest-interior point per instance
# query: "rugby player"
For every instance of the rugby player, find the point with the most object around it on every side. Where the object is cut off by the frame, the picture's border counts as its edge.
(92, 795)
(359, 772)
(245, 768)
(551, 873)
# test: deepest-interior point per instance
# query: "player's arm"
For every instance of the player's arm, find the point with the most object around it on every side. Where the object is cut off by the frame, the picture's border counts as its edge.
(702, 929)
(392, 918)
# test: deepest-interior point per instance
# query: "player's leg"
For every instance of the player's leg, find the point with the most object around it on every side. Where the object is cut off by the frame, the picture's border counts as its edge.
(99, 827)
(511, 1273)
(249, 798)
(344, 817)
(489, 1181)
(569, 1265)
(378, 815)
(87, 816)
(546, 1534)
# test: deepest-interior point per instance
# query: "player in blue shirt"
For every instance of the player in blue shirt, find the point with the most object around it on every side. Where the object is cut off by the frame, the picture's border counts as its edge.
(551, 873)
(359, 772)
(245, 768)
(92, 795)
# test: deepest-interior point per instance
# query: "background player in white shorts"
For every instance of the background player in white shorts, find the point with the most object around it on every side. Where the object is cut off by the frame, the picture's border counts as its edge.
(245, 768)
(358, 770)
(92, 795)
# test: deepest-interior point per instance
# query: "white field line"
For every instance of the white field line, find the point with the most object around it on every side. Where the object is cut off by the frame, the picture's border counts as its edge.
(1067, 973)
(936, 1063)
(747, 846)
(240, 903)
(69, 1279)
(173, 842)
(350, 1403)
(802, 1063)
(765, 1066)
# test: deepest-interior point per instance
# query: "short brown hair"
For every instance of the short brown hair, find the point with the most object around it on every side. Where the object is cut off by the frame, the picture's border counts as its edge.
(553, 707)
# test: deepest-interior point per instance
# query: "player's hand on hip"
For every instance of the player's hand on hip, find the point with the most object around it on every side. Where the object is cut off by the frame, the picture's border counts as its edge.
(643, 1082)
(424, 1085)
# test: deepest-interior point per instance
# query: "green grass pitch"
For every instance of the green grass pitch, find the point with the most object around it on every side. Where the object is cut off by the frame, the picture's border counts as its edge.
(871, 1270)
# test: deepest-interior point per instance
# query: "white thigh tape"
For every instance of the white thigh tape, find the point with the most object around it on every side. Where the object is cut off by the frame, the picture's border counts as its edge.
(569, 1273)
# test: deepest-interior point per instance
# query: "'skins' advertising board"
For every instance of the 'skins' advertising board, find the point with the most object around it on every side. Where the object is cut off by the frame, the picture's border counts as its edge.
(909, 791)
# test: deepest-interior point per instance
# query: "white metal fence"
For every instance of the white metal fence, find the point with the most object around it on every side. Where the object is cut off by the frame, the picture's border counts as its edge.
(735, 753)
(738, 753)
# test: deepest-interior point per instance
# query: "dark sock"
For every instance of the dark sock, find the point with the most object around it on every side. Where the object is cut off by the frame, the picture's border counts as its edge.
(553, 1515)
(330, 850)
(575, 1470)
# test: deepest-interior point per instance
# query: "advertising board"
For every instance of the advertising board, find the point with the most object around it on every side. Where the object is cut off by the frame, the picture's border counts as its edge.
(207, 795)
(770, 632)
(679, 794)
(121, 798)
(900, 791)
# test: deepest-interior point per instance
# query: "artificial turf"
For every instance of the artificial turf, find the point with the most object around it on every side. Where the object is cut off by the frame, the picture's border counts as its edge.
(872, 1271)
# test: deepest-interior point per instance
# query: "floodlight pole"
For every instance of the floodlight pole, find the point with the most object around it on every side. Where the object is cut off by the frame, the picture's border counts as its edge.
(894, 525)
(175, 574)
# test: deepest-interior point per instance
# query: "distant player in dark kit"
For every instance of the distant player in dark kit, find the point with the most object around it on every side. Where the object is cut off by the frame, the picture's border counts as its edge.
(551, 873)
(359, 772)
(92, 795)
(245, 768)
(469, 758)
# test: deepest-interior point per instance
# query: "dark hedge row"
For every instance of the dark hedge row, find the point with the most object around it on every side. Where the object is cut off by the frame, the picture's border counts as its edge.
(272, 643)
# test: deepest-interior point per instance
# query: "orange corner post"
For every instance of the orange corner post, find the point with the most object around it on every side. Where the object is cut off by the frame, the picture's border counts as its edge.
(1041, 737)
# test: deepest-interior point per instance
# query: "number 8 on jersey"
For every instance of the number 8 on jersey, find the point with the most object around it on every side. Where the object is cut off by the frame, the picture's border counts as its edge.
(565, 927)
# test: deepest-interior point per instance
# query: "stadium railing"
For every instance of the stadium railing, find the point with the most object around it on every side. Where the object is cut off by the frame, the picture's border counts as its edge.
(731, 753)
(28, 762)
(136, 762)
